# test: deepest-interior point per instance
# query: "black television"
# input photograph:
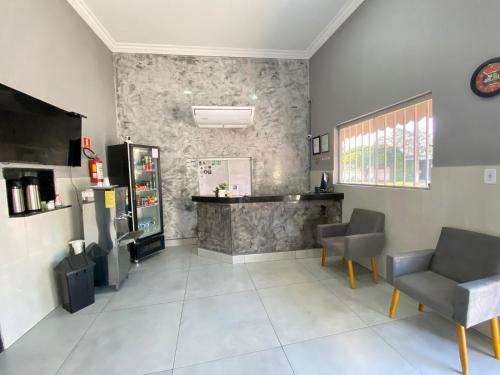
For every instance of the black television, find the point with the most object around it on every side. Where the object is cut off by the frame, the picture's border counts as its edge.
(32, 131)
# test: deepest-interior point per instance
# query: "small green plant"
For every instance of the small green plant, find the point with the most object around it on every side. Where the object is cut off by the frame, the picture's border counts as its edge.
(223, 186)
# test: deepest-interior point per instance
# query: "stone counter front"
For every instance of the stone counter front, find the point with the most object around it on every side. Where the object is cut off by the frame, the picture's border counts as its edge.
(259, 226)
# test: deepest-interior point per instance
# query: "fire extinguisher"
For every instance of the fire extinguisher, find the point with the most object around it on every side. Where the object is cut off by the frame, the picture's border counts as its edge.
(96, 171)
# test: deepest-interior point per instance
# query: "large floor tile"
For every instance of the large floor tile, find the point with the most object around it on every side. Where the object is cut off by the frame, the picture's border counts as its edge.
(371, 301)
(332, 268)
(223, 326)
(43, 349)
(200, 261)
(268, 362)
(133, 341)
(150, 287)
(217, 279)
(428, 341)
(178, 258)
(354, 353)
(276, 273)
(300, 312)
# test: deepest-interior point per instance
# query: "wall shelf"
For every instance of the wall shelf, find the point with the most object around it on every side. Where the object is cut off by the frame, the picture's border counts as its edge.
(27, 214)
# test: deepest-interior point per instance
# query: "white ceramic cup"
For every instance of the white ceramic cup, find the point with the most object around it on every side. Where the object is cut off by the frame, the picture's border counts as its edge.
(77, 246)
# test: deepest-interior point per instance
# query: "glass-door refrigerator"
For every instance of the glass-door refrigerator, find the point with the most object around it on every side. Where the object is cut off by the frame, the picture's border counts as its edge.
(138, 167)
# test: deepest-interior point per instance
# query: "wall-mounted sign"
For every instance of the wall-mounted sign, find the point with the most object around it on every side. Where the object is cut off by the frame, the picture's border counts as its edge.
(325, 142)
(485, 81)
(316, 146)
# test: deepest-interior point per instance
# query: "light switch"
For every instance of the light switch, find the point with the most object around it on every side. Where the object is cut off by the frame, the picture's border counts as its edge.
(490, 176)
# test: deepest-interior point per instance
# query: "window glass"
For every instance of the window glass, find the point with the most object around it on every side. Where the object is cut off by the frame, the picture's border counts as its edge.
(393, 148)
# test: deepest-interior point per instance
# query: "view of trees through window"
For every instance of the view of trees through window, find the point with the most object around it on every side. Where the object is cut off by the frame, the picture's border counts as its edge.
(391, 149)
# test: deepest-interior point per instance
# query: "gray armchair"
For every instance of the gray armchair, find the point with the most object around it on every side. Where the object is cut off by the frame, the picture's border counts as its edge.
(362, 237)
(460, 279)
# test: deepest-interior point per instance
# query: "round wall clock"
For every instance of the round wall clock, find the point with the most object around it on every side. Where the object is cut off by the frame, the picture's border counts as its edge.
(485, 81)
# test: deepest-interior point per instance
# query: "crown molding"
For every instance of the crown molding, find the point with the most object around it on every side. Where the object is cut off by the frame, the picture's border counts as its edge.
(97, 27)
(167, 49)
(333, 26)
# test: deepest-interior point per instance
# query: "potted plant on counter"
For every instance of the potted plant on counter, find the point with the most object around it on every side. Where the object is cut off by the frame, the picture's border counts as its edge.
(222, 189)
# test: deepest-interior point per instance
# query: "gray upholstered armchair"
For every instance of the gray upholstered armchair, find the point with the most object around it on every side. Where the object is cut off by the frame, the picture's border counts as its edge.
(460, 279)
(362, 237)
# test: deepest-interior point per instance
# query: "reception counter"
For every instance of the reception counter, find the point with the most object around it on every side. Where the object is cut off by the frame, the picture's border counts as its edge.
(241, 226)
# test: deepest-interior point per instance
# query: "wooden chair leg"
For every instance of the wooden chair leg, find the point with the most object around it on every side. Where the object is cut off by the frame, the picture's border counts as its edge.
(394, 303)
(323, 257)
(462, 347)
(374, 270)
(495, 335)
(350, 270)
(421, 307)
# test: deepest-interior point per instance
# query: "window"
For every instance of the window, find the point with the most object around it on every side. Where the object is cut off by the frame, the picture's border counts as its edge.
(392, 147)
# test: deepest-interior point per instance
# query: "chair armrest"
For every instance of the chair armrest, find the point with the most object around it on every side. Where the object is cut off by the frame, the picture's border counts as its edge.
(410, 262)
(364, 245)
(331, 230)
(477, 301)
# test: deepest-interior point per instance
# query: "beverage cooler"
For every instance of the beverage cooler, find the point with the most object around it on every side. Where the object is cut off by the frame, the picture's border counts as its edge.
(138, 167)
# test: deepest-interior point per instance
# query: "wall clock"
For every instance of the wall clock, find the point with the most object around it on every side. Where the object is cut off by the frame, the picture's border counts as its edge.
(485, 81)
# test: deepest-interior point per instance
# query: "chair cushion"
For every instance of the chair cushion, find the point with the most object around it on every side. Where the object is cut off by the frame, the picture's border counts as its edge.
(334, 244)
(365, 221)
(465, 256)
(429, 288)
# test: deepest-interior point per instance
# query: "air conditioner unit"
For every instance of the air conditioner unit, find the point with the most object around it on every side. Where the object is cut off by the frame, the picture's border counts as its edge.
(211, 117)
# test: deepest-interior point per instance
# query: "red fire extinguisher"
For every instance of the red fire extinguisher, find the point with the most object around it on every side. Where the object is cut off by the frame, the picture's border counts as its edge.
(96, 171)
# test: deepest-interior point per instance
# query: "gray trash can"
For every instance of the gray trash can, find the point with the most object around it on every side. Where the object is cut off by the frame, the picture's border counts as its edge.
(76, 277)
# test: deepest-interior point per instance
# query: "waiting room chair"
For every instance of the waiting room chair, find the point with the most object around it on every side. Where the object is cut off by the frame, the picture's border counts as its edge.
(362, 237)
(460, 279)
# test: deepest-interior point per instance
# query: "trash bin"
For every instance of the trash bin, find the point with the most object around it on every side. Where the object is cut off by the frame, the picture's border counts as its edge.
(76, 276)
(100, 258)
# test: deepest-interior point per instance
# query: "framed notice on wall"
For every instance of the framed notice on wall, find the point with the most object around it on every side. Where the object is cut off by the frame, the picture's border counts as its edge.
(316, 146)
(325, 142)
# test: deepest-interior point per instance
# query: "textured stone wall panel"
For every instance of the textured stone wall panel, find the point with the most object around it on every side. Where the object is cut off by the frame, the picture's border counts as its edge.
(152, 108)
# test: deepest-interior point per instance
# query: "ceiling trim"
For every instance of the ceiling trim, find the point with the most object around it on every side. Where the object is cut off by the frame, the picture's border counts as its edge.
(333, 26)
(167, 49)
(97, 27)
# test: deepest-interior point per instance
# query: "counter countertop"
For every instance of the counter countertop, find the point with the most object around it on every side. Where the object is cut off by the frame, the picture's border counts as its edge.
(271, 198)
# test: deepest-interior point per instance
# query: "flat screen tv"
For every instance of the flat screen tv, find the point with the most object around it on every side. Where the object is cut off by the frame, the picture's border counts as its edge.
(32, 131)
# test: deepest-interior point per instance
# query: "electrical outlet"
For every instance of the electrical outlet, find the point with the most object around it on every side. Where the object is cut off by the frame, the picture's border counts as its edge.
(490, 176)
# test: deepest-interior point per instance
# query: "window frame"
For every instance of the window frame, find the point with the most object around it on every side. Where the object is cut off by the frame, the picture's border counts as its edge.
(369, 120)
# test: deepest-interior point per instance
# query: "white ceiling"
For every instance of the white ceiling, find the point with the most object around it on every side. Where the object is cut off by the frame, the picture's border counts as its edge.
(253, 28)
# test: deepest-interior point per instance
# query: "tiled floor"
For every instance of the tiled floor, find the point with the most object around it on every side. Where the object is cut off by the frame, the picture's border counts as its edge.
(180, 314)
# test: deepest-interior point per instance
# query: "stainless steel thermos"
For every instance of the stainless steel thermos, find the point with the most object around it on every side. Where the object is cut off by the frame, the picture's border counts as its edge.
(32, 193)
(17, 196)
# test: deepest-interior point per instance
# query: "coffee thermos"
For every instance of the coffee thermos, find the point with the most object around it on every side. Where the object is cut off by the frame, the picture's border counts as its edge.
(32, 193)
(16, 197)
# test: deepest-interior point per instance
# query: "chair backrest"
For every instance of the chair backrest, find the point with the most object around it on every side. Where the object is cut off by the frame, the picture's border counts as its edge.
(462, 255)
(365, 221)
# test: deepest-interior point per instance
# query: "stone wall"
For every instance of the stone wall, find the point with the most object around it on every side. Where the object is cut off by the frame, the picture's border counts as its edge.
(154, 98)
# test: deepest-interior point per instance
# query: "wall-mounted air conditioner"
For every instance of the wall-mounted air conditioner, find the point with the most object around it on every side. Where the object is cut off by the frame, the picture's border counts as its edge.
(223, 117)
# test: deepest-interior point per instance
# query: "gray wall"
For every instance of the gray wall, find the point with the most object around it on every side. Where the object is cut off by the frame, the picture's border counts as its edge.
(153, 109)
(390, 50)
(49, 52)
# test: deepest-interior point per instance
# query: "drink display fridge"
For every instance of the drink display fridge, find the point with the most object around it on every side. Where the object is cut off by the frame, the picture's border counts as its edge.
(138, 167)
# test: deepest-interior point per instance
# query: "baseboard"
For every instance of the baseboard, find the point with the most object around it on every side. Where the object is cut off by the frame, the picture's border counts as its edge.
(264, 257)
(181, 241)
